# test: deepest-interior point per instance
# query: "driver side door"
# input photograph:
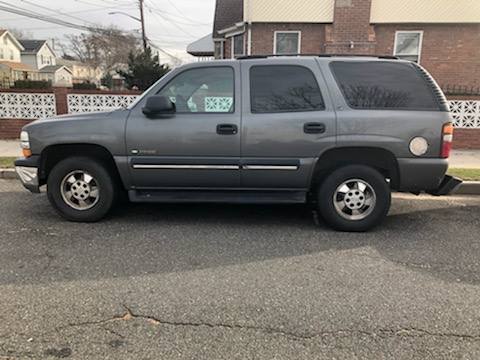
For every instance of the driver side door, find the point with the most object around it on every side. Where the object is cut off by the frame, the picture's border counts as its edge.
(199, 145)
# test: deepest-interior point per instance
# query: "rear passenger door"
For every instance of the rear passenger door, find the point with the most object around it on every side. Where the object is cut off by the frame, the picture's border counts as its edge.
(287, 121)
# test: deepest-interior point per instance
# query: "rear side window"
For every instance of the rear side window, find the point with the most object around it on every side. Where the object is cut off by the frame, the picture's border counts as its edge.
(383, 85)
(284, 88)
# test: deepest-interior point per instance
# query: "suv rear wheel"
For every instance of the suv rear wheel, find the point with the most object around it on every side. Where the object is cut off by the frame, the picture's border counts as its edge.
(81, 189)
(354, 198)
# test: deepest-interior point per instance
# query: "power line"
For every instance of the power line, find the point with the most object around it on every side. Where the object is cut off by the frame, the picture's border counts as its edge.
(154, 8)
(59, 12)
(45, 18)
(162, 17)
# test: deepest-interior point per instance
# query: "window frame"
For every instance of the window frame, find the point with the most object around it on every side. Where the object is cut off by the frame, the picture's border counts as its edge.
(347, 103)
(202, 68)
(299, 41)
(324, 107)
(420, 43)
(232, 45)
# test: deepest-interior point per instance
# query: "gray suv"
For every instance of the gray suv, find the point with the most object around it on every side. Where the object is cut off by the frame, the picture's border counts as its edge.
(336, 131)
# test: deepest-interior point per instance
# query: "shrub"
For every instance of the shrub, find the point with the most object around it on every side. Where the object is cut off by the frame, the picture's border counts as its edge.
(85, 86)
(32, 84)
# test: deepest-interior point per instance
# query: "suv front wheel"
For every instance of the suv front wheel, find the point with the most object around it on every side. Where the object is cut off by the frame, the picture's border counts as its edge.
(81, 189)
(354, 198)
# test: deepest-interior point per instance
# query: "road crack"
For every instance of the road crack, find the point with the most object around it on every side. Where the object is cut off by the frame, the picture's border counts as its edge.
(411, 332)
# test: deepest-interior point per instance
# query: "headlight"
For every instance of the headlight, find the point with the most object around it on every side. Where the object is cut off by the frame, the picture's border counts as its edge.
(24, 140)
(25, 144)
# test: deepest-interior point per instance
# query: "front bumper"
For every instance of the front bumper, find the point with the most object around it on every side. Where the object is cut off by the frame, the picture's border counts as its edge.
(27, 171)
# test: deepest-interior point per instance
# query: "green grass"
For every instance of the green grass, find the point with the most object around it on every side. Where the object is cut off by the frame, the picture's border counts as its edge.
(465, 174)
(6, 162)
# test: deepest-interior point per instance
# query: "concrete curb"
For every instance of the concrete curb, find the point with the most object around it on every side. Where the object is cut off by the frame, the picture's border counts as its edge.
(8, 174)
(467, 188)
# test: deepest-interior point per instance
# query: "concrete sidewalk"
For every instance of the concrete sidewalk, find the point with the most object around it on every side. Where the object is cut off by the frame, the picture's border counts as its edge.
(460, 158)
(10, 148)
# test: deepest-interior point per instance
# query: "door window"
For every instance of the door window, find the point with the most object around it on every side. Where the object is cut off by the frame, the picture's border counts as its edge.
(284, 88)
(202, 90)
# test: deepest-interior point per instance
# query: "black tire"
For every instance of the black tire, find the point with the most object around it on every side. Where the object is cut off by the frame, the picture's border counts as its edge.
(104, 181)
(374, 214)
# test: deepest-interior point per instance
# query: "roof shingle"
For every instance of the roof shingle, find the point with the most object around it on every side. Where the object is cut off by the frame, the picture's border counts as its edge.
(32, 46)
(227, 13)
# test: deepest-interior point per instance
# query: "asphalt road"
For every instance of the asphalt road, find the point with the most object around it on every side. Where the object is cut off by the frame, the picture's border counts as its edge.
(238, 282)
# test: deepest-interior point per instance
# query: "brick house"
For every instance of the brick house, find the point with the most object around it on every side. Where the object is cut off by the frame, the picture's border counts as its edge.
(442, 35)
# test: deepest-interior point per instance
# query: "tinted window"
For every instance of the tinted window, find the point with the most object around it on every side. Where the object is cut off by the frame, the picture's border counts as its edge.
(202, 90)
(383, 85)
(284, 88)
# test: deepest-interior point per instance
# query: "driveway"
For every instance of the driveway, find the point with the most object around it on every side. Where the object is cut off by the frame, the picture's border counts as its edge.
(238, 282)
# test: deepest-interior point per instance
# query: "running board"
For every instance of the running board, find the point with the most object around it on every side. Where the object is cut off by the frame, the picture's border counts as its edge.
(218, 196)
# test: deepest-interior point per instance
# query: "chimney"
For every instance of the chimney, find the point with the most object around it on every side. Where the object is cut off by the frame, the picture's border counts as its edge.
(351, 32)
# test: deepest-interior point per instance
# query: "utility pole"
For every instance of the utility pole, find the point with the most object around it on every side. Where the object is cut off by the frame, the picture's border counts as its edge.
(142, 20)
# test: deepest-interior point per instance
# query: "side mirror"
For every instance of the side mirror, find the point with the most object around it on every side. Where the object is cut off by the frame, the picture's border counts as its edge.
(158, 105)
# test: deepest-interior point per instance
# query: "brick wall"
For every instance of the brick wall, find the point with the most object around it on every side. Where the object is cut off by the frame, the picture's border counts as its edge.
(466, 139)
(351, 32)
(312, 37)
(10, 128)
(451, 52)
(227, 49)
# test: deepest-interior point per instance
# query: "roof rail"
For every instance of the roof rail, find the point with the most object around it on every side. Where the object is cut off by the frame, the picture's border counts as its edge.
(253, 57)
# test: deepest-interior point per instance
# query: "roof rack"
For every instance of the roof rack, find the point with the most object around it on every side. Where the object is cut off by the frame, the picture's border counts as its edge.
(253, 57)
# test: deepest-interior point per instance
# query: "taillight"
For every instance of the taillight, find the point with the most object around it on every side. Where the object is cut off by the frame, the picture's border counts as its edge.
(447, 139)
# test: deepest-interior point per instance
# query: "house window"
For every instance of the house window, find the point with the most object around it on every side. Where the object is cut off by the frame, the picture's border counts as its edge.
(2, 55)
(238, 48)
(11, 54)
(287, 42)
(5, 41)
(408, 45)
(218, 49)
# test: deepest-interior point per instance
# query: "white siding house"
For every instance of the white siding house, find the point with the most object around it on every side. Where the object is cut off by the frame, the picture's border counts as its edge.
(10, 48)
(37, 54)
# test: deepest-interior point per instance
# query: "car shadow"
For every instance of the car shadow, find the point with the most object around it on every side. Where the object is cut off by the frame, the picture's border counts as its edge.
(138, 239)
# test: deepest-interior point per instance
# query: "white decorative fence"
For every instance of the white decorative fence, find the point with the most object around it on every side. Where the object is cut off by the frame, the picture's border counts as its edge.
(466, 113)
(16, 105)
(27, 105)
(78, 103)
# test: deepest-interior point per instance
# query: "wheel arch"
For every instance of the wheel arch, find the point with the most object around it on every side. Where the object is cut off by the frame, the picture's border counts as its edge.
(53, 154)
(379, 158)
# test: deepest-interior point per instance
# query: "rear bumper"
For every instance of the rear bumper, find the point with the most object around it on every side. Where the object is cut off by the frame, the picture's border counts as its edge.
(421, 174)
(427, 175)
(27, 171)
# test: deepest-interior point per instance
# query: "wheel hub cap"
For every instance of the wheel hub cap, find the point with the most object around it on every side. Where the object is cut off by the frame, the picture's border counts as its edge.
(80, 190)
(354, 199)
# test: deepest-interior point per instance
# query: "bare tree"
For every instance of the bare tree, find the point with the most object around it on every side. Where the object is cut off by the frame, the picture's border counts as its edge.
(21, 34)
(103, 47)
